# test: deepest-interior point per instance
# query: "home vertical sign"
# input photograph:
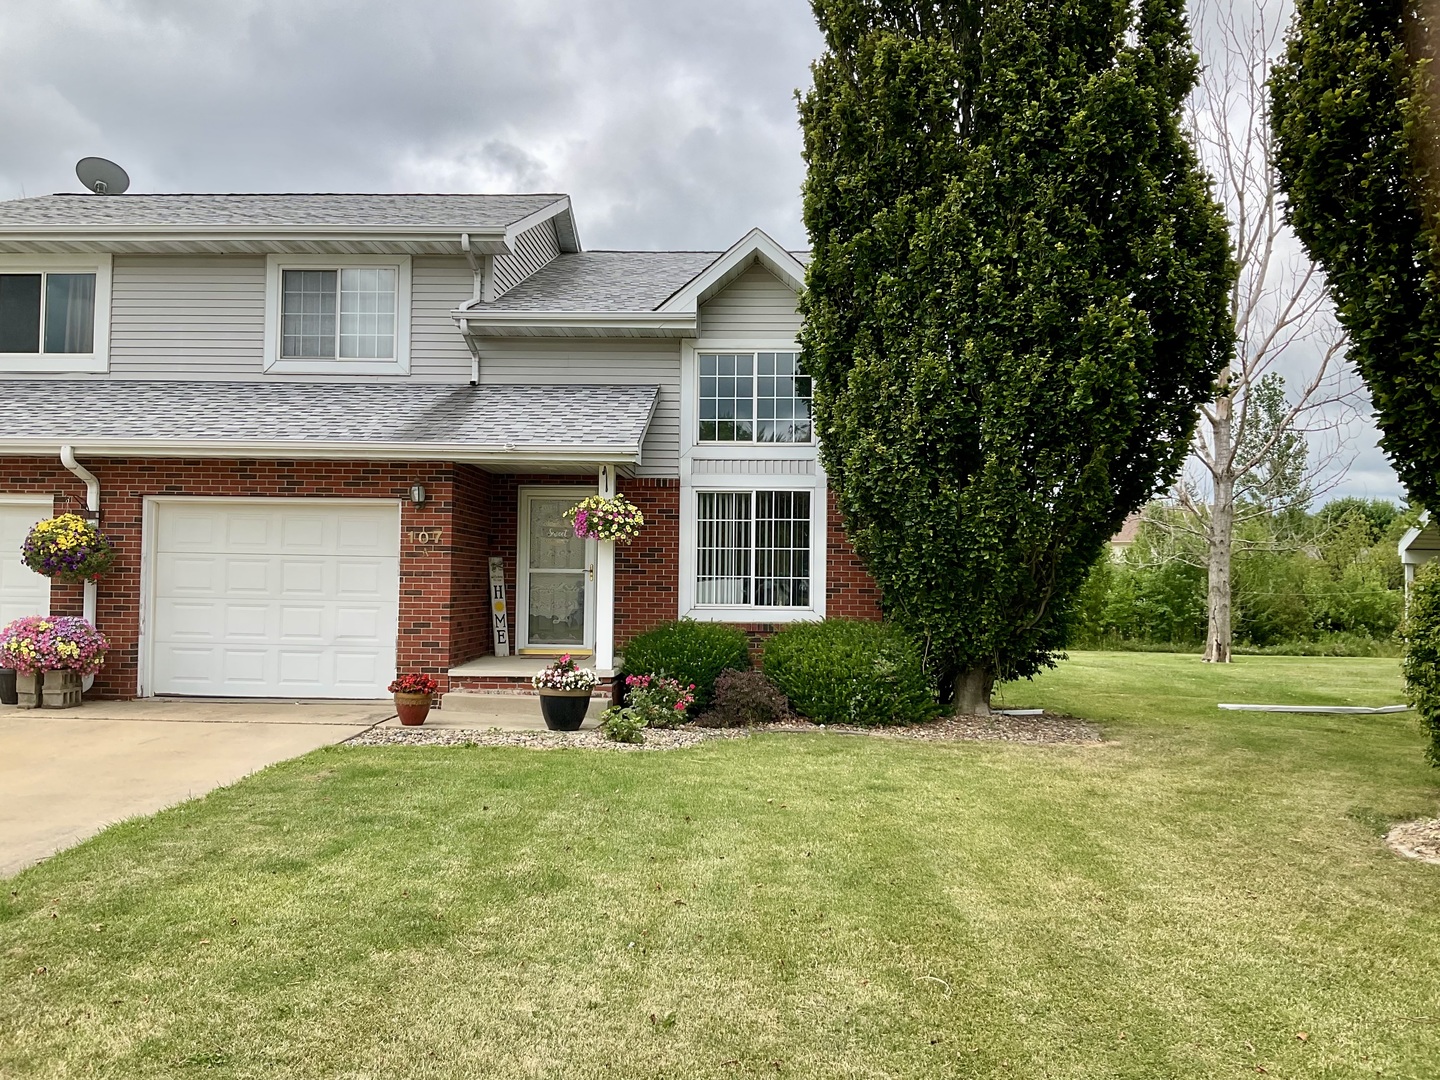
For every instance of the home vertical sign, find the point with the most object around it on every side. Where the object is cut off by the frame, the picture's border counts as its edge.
(498, 616)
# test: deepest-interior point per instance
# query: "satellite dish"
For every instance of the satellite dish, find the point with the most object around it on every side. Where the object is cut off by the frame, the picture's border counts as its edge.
(101, 176)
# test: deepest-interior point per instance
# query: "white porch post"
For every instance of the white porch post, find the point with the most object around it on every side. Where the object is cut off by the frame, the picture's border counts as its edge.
(605, 585)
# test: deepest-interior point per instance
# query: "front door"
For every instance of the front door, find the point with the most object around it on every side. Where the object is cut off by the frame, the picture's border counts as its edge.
(557, 575)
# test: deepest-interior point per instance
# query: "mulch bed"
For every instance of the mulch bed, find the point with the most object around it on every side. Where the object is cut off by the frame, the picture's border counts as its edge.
(1416, 840)
(1045, 729)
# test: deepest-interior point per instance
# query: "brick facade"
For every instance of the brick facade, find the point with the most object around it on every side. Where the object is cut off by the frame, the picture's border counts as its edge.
(850, 591)
(468, 516)
(427, 606)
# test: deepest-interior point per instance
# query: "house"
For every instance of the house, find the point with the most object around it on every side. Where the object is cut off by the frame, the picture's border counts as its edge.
(1123, 540)
(1418, 546)
(312, 424)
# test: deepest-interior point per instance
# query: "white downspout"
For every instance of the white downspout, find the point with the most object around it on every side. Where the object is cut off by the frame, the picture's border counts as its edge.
(92, 504)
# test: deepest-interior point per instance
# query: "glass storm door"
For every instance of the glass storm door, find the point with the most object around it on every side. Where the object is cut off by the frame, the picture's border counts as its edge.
(559, 576)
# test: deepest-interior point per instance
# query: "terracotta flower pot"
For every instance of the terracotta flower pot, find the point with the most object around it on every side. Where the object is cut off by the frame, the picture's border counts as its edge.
(564, 710)
(412, 708)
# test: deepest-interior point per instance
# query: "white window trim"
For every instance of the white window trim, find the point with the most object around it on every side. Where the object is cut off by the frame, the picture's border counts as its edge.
(274, 363)
(692, 449)
(690, 367)
(97, 361)
(689, 556)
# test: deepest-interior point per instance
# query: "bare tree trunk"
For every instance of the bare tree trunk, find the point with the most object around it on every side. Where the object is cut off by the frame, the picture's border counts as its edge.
(972, 692)
(1220, 537)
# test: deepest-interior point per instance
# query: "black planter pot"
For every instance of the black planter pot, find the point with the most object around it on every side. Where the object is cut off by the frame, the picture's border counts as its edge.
(564, 710)
(8, 694)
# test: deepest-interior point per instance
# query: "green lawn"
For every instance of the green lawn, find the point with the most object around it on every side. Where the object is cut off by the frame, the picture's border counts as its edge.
(1182, 901)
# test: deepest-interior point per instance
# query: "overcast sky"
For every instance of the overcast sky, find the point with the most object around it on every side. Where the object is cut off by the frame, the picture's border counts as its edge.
(670, 122)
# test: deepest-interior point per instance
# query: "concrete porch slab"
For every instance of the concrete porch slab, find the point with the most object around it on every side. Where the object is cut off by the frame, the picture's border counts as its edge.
(511, 667)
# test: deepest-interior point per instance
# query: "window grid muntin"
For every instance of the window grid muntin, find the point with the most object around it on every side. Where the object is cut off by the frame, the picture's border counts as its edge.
(727, 397)
(753, 548)
(782, 549)
(753, 397)
(308, 324)
(782, 399)
(723, 548)
(38, 336)
(346, 313)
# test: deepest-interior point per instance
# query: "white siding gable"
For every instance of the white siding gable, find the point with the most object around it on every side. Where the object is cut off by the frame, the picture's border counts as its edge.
(755, 306)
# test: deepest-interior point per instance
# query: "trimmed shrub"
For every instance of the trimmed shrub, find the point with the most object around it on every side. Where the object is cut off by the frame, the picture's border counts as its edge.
(1422, 653)
(845, 671)
(744, 699)
(690, 651)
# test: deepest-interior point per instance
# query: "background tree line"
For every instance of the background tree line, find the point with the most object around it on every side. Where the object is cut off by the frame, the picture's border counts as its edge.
(1324, 581)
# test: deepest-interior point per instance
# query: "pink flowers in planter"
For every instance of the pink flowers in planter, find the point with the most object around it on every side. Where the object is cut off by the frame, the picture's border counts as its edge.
(599, 518)
(39, 643)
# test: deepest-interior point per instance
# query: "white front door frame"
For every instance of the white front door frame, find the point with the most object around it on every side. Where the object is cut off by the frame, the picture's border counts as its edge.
(522, 566)
(149, 507)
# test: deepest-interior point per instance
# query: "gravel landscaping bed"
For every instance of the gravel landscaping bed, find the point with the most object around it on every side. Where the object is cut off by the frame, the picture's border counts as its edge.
(533, 740)
(1047, 728)
(1416, 840)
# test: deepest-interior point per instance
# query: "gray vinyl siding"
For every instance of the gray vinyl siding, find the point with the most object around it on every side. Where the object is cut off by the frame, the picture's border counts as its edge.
(535, 247)
(437, 348)
(619, 362)
(203, 317)
(757, 305)
(187, 316)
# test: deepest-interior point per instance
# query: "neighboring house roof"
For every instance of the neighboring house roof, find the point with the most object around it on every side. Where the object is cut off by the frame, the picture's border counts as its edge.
(454, 212)
(1128, 530)
(604, 281)
(509, 423)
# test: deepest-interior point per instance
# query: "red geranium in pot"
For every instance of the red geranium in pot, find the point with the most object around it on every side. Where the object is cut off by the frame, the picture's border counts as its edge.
(413, 694)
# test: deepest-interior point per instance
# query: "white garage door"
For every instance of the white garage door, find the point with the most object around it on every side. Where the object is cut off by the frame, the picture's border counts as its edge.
(274, 600)
(22, 591)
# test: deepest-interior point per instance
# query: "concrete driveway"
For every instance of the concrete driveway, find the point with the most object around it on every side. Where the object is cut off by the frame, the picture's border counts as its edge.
(65, 774)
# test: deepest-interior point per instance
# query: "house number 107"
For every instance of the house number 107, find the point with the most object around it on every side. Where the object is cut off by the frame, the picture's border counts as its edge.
(425, 536)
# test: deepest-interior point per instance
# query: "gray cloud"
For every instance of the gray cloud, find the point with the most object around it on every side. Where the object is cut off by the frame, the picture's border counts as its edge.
(671, 122)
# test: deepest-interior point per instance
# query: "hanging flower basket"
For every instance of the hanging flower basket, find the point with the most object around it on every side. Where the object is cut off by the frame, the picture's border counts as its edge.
(68, 548)
(599, 518)
(39, 643)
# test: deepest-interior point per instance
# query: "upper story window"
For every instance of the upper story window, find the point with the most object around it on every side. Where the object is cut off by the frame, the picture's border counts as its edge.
(54, 314)
(756, 397)
(345, 316)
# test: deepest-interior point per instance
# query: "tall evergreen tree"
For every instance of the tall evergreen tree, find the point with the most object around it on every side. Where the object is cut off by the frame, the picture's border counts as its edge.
(1358, 140)
(1017, 299)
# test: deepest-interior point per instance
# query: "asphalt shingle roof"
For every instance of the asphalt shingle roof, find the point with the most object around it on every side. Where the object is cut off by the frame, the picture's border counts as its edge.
(487, 416)
(604, 281)
(435, 211)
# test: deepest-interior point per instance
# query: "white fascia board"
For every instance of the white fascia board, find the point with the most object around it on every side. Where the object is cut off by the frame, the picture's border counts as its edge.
(756, 244)
(310, 450)
(491, 239)
(578, 320)
(565, 230)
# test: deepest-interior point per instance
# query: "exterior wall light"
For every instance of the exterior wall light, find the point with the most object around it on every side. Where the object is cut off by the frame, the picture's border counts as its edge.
(417, 494)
